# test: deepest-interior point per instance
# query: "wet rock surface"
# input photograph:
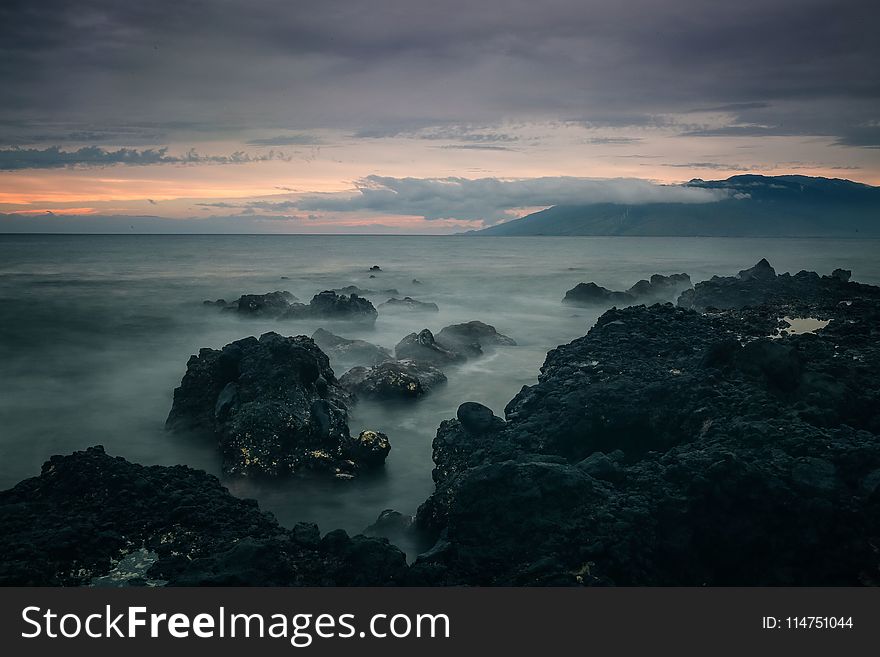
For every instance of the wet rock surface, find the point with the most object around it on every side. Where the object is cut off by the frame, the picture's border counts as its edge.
(471, 338)
(273, 405)
(88, 512)
(669, 447)
(392, 380)
(424, 348)
(345, 353)
(658, 288)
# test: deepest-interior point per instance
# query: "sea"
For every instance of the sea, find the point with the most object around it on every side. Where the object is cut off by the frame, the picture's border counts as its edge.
(96, 330)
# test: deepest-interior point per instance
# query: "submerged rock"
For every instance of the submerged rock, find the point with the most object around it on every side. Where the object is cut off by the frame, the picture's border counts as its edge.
(375, 268)
(349, 353)
(408, 304)
(273, 405)
(422, 347)
(354, 289)
(392, 380)
(329, 305)
(668, 447)
(87, 512)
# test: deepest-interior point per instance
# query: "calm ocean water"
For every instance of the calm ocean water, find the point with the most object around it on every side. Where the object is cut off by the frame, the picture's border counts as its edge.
(95, 332)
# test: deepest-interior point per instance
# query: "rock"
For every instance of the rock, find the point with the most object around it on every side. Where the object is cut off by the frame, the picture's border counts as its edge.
(470, 338)
(393, 525)
(479, 419)
(408, 304)
(349, 353)
(375, 268)
(669, 447)
(762, 271)
(658, 288)
(422, 347)
(271, 304)
(590, 294)
(788, 294)
(416, 281)
(88, 512)
(370, 448)
(273, 405)
(329, 305)
(843, 275)
(392, 380)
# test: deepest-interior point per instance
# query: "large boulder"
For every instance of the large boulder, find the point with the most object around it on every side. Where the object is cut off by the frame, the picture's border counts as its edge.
(273, 405)
(345, 353)
(590, 294)
(92, 518)
(392, 380)
(470, 338)
(423, 347)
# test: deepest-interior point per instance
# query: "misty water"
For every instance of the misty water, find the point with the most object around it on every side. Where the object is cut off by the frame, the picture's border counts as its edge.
(95, 332)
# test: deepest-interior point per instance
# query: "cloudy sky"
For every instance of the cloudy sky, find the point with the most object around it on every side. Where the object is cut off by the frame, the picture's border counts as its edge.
(414, 116)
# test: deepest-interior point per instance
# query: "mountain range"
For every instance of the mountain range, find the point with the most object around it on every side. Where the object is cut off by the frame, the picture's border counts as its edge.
(753, 206)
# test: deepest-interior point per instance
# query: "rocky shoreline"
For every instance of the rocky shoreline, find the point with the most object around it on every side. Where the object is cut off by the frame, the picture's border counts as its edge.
(712, 442)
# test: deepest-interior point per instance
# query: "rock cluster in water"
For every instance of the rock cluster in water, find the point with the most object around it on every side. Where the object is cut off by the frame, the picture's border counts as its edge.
(283, 305)
(669, 447)
(87, 512)
(658, 288)
(274, 406)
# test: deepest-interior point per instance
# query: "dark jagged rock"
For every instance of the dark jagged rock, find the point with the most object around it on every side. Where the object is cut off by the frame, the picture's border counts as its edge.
(273, 405)
(658, 288)
(668, 447)
(370, 448)
(329, 305)
(375, 268)
(88, 511)
(470, 338)
(271, 304)
(422, 347)
(349, 353)
(392, 380)
(408, 304)
(760, 285)
(590, 294)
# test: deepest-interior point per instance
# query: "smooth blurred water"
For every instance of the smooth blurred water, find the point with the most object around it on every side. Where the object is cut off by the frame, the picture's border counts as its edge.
(95, 332)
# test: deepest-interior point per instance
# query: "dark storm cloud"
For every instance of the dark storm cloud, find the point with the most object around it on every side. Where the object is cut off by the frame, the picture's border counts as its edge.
(14, 159)
(365, 65)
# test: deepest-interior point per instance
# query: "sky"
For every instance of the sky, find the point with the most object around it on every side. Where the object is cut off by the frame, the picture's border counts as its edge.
(407, 116)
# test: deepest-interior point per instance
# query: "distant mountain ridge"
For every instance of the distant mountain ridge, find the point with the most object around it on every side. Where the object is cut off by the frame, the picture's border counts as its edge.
(757, 206)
